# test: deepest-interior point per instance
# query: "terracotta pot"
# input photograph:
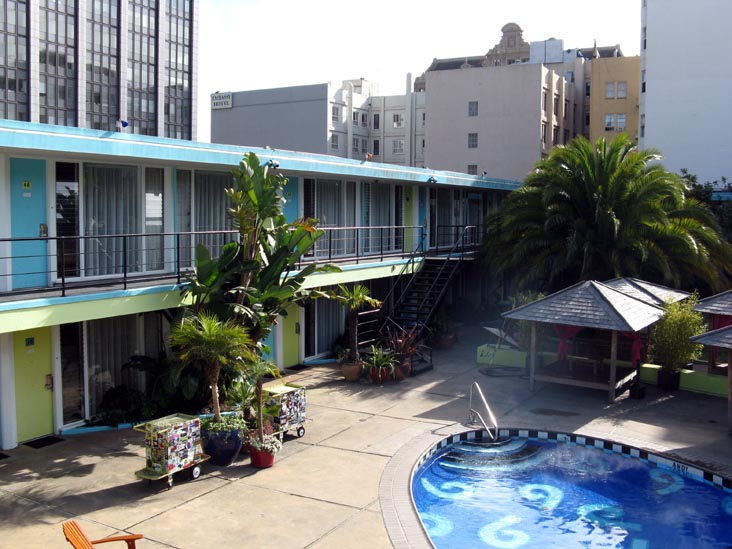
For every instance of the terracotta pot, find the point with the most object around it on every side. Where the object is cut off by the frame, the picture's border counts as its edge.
(443, 341)
(261, 459)
(352, 370)
(403, 370)
(379, 375)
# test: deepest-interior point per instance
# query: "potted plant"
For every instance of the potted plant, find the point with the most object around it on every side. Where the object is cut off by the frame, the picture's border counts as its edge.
(210, 343)
(263, 450)
(264, 445)
(381, 364)
(354, 299)
(403, 344)
(670, 346)
(443, 331)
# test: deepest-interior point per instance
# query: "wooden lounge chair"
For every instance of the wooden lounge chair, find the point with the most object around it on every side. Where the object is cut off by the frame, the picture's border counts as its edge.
(78, 539)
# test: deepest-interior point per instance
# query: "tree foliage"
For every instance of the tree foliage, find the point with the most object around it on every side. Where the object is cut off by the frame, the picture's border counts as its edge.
(671, 346)
(256, 278)
(603, 212)
(205, 341)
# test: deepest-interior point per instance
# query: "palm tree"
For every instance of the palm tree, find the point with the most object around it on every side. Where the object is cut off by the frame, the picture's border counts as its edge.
(257, 370)
(207, 341)
(354, 299)
(602, 212)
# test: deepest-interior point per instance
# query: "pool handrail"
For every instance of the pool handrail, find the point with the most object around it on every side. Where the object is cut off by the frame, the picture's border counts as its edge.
(475, 414)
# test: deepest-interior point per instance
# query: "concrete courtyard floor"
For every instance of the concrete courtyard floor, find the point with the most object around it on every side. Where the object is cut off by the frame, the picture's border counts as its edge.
(324, 488)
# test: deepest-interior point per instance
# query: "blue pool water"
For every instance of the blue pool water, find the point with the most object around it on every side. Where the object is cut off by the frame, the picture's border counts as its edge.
(547, 494)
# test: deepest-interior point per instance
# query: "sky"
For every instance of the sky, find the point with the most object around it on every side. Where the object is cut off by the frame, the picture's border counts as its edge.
(258, 44)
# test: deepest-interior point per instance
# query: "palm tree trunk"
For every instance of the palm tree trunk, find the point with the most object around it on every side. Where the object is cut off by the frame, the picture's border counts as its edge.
(213, 379)
(260, 415)
(352, 336)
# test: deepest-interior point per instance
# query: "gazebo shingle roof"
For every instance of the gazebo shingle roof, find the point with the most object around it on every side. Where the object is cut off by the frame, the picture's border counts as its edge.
(590, 304)
(716, 338)
(653, 294)
(719, 304)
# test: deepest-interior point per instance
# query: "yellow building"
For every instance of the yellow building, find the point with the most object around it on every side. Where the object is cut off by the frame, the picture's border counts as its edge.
(615, 84)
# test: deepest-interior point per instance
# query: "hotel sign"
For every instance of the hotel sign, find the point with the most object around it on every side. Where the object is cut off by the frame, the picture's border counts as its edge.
(221, 101)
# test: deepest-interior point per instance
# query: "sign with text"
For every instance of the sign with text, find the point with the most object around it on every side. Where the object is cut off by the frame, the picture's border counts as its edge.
(221, 101)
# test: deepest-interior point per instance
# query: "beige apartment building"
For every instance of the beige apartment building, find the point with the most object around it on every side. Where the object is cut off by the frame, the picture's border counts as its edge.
(494, 114)
(497, 120)
(614, 102)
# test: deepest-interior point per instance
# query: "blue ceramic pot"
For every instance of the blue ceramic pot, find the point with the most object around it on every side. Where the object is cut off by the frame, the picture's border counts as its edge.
(222, 446)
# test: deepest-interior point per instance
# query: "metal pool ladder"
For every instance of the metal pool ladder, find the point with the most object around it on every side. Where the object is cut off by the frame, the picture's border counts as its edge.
(476, 416)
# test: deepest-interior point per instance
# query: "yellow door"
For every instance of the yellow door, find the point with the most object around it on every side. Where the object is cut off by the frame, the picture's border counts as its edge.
(33, 390)
(291, 337)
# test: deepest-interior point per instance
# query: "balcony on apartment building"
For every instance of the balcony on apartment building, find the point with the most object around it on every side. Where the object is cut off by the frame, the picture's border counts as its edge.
(63, 266)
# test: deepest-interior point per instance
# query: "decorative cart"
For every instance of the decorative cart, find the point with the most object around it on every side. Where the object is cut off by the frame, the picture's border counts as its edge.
(172, 444)
(288, 403)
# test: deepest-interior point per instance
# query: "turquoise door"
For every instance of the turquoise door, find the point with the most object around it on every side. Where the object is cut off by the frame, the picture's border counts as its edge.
(27, 220)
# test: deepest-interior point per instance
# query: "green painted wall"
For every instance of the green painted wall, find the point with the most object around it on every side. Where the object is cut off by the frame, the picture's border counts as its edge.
(33, 402)
(698, 382)
(53, 315)
(359, 273)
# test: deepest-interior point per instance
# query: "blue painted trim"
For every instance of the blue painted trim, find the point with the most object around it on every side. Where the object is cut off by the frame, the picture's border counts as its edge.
(39, 139)
(317, 361)
(50, 301)
(94, 429)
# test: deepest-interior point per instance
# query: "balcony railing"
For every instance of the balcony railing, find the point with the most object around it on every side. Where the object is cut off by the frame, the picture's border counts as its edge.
(57, 265)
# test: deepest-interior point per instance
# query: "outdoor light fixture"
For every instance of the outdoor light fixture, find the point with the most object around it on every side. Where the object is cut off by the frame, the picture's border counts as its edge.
(273, 164)
(432, 179)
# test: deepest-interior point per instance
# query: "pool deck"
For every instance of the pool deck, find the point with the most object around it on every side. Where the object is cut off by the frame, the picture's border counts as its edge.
(342, 484)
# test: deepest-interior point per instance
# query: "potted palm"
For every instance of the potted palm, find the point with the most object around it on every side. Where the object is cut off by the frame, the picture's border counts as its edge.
(264, 445)
(204, 340)
(354, 299)
(670, 346)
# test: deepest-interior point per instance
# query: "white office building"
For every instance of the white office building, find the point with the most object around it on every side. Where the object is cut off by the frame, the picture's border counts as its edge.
(686, 75)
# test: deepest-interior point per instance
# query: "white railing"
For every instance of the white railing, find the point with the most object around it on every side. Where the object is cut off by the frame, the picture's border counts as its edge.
(476, 416)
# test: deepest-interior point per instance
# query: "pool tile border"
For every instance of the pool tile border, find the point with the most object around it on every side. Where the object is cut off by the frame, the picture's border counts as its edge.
(399, 512)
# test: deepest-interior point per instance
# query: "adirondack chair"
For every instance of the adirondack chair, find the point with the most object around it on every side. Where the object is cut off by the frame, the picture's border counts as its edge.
(78, 539)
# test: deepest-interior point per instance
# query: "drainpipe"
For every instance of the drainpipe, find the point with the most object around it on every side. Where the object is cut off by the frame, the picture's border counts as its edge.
(408, 130)
(349, 120)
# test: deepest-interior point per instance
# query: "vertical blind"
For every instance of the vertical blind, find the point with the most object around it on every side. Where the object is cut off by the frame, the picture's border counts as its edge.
(111, 208)
(210, 205)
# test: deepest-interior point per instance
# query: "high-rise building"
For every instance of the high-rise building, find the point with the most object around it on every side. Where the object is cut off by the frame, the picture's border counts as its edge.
(686, 74)
(101, 64)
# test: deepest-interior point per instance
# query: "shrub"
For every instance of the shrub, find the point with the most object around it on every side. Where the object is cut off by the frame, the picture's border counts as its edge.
(670, 345)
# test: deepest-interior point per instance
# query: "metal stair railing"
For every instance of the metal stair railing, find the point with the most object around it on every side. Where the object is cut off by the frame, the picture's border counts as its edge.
(447, 261)
(476, 415)
(423, 322)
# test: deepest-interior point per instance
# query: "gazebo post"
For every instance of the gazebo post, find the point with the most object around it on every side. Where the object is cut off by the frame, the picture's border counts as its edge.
(729, 391)
(532, 356)
(613, 365)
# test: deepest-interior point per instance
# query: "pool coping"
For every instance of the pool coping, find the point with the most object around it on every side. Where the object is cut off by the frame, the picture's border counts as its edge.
(399, 512)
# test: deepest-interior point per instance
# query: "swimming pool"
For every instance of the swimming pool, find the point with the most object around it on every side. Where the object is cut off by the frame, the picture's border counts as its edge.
(560, 490)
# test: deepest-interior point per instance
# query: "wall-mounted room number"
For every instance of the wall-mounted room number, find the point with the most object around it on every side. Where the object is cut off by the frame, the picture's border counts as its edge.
(26, 185)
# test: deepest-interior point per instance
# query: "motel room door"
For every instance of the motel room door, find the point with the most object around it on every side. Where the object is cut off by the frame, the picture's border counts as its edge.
(28, 219)
(33, 383)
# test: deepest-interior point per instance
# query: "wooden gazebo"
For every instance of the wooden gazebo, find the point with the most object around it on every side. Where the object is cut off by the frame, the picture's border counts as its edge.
(588, 304)
(719, 309)
(722, 337)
